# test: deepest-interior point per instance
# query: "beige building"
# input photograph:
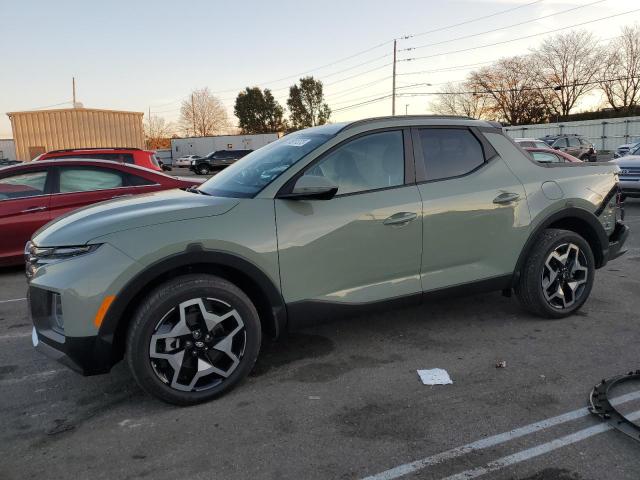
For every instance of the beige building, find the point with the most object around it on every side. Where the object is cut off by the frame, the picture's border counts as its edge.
(40, 131)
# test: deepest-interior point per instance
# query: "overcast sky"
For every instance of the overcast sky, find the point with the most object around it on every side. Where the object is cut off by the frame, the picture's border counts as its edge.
(132, 55)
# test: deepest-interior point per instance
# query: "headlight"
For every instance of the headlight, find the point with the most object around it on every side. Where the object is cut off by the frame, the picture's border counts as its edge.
(35, 256)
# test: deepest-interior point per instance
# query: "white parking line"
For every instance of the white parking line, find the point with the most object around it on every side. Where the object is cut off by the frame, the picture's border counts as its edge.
(411, 467)
(13, 300)
(538, 450)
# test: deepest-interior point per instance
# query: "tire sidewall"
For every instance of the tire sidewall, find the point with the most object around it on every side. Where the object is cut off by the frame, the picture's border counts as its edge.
(161, 301)
(568, 237)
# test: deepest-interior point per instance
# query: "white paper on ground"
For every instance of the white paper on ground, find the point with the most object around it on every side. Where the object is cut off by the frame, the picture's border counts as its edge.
(435, 376)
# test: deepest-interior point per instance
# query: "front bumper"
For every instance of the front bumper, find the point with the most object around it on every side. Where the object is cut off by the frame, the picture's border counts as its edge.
(630, 187)
(90, 355)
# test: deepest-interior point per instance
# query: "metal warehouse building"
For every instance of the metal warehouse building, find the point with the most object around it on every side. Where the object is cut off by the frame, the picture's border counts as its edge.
(40, 131)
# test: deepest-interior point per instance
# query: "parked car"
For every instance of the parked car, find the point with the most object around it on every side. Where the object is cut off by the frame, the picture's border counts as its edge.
(622, 150)
(549, 155)
(33, 193)
(629, 173)
(216, 161)
(530, 143)
(164, 167)
(4, 162)
(573, 144)
(185, 161)
(325, 221)
(135, 156)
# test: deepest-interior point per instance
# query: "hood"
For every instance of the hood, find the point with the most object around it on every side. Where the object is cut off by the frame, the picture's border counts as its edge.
(80, 226)
(628, 161)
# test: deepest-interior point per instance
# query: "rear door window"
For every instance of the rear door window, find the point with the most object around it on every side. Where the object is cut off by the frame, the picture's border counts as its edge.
(449, 152)
(561, 143)
(81, 179)
(574, 142)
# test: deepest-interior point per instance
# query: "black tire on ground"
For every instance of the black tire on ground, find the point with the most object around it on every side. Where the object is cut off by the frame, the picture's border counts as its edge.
(585, 158)
(204, 170)
(529, 288)
(169, 296)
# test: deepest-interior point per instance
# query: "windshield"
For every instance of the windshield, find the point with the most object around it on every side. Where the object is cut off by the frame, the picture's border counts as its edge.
(246, 177)
(635, 149)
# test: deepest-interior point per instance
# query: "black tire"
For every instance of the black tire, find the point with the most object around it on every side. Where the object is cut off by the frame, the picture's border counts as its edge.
(204, 169)
(585, 158)
(530, 290)
(164, 302)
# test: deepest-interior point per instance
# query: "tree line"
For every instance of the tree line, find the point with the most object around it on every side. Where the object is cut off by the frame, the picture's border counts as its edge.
(548, 83)
(203, 114)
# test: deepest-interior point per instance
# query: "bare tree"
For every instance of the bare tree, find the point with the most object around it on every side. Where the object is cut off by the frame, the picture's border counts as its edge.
(203, 114)
(566, 66)
(460, 100)
(157, 132)
(619, 75)
(509, 90)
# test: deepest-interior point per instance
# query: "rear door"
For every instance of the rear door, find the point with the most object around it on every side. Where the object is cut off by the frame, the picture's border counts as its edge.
(77, 186)
(364, 244)
(475, 211)
(24, 208)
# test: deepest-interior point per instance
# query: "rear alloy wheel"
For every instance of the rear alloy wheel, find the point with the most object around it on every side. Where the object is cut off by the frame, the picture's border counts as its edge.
(204, 170)
(192, 339)
(557, 276)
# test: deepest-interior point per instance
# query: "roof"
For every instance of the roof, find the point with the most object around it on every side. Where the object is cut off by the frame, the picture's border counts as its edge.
(29, 112)
(79, 161)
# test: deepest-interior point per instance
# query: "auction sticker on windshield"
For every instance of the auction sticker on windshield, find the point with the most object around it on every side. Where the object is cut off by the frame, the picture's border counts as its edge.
(296, 142)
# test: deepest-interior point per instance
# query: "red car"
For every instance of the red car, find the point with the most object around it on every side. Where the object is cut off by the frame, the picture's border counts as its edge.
(550, 155)
(135, 156)
(34, 193)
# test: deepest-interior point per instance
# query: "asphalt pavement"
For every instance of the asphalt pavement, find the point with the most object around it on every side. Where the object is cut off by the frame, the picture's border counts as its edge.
(343, 400)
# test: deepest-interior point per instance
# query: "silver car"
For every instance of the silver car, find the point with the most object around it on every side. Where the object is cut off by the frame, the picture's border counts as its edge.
(630, 172)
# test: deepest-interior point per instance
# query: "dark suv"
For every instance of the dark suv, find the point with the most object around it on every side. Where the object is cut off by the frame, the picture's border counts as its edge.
(216, 161)
(573, 144)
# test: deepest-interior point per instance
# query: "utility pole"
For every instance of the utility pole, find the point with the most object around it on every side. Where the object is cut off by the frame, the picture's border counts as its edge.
(393, 88)
(406, 109)
(73, 83)
(193, 115)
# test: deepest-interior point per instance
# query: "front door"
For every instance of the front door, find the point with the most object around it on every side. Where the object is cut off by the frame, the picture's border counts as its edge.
(475, 209)
(24, 208)
(364, 244)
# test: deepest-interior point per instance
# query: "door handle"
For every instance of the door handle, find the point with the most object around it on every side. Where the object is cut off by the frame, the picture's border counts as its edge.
(124, 195)
(400, 218)
(33, 209)
(506, 197)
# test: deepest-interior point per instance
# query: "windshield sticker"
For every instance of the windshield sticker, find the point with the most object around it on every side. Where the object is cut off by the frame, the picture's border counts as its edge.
(297, 142)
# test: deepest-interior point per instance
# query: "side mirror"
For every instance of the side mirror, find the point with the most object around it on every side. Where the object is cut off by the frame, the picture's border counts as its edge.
(311, 187)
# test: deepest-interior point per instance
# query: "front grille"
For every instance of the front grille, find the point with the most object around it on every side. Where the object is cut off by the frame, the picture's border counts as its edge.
(629, 171)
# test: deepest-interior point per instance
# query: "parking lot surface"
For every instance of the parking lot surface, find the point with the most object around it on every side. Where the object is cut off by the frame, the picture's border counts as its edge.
(343, 400)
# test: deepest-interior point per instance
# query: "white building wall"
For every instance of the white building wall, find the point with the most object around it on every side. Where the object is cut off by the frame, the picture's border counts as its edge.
(205, 145)
(605, 134)
(7, 149)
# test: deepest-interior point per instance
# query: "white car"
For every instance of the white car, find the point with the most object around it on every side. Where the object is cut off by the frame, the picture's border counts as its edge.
(185, 161)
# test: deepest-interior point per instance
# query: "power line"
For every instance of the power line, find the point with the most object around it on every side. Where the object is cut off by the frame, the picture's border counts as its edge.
(519, 38)
(50, 106)
(501, 28)
(523, 89)
(472, 20)
(448, 69)
(374, 100)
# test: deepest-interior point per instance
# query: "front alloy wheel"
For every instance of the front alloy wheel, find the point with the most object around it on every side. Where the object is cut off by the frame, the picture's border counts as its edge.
(197, 344)
(192, 339)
